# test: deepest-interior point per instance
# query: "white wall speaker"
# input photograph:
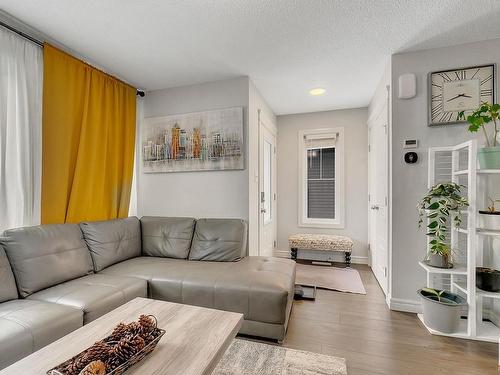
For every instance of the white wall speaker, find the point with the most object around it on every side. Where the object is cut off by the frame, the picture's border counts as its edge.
(407, 86)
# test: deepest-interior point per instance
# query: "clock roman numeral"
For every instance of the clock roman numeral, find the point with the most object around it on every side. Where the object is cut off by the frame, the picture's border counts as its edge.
(437, 97)
(487, 79)
(460, 75)
(445, 77)
(445, 116)
(486, 92)
(477, 71)
(436, 85)
(436, 110)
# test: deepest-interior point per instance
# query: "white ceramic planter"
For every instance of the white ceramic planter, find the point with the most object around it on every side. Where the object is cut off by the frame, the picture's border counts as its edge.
(488, 221)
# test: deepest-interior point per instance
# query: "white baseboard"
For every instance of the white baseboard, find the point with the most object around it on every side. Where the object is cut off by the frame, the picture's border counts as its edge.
(405, 305)
(359, 260)
(281, 253)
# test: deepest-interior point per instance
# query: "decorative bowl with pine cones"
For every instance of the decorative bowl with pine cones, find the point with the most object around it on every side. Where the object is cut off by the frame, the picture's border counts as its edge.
(127, 345)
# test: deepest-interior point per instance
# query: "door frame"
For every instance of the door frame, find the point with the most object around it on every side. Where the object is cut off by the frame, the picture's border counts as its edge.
(266, 125)
(378, 108)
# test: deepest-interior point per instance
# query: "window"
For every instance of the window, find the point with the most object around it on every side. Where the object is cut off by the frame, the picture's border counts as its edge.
(321, 178)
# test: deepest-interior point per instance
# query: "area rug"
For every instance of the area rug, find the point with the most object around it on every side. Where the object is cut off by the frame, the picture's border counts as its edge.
(327, 277)
(245, 357)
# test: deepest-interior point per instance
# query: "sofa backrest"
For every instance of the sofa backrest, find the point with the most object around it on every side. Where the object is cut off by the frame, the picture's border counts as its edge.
(112, 241)
(8, 289)
(45, 255)
(167, 236)
(223, 240)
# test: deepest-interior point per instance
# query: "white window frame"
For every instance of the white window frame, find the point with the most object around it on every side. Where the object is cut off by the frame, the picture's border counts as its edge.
(339, 221)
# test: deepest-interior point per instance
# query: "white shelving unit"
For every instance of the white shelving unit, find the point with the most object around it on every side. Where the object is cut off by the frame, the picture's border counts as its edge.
(459, 164)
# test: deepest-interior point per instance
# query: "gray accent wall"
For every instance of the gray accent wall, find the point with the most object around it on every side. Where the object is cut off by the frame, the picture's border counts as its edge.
(222, 194)
(356, 175)
(409, 182)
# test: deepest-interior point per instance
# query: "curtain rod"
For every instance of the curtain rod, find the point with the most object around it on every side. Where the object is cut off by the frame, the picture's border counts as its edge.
(40, 43)
(18, 32)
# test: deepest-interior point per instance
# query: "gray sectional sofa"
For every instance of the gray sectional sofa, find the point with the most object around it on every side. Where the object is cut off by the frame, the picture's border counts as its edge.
(55, 278)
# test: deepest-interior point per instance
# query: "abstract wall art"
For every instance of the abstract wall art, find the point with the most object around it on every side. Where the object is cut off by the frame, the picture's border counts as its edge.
(201, 141)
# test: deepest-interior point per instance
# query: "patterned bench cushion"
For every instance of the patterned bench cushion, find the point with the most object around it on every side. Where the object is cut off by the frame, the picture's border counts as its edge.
(325, 242)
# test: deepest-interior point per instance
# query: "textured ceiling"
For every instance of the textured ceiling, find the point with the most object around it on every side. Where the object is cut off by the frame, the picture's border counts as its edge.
(285, 46)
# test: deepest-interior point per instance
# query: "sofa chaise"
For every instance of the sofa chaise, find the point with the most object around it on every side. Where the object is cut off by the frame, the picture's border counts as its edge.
(55, 278)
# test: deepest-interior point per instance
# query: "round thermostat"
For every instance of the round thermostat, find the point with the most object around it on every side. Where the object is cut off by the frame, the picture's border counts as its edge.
(411, 157)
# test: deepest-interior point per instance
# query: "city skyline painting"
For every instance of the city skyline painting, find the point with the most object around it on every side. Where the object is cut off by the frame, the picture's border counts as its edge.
(200, 141)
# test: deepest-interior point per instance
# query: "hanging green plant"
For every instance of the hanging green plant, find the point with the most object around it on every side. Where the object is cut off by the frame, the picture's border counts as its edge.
(442, 204)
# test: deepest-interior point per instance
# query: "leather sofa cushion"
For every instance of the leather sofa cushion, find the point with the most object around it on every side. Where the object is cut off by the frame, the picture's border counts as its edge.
(95, 294)
(45, 255)
(8, 289)
(167, 236)
(258, 287)
(112, 241)
(222, 240)
(26, 326)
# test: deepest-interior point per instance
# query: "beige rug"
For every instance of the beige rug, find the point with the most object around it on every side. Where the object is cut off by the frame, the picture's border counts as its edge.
(340, 279)
(253, 358)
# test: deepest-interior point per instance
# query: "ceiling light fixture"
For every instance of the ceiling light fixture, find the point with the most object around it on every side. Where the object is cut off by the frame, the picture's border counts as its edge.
(317, 91)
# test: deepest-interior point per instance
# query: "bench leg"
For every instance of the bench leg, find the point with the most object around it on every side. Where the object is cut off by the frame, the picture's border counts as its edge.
(293, 253)
(348, 259)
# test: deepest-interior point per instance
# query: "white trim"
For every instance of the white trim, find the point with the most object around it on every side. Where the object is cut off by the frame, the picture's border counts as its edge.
(281, 253)
(265, 125)
(356, 259)
(405, 305)
(339, 221)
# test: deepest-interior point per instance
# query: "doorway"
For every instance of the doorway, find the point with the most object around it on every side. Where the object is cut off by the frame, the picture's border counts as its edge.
(267, 187)
(379, 194)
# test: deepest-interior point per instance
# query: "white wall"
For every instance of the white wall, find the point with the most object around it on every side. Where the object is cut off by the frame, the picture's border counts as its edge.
(356, 174)
(196, 194)
(410, 181)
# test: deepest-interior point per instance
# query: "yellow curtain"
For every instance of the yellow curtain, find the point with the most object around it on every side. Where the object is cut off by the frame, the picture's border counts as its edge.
(88, 141)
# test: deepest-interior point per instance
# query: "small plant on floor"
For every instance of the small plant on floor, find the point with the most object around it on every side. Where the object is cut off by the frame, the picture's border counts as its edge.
(442, 201)
(434, 292)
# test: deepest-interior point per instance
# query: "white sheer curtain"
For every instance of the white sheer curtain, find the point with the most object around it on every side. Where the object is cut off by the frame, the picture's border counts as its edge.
(21, 72)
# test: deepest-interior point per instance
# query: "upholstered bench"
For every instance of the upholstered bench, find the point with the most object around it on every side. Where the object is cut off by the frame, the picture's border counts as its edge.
(321, 242)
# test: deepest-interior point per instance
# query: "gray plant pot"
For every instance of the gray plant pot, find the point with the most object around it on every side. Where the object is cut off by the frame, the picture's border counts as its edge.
(439, 261)
(443, 315)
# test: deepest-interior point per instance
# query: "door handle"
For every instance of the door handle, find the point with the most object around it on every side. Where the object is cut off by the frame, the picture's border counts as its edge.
(375, 207)
(263, 211)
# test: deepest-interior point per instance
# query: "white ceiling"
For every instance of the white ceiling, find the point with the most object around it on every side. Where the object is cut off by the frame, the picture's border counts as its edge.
(285, 46)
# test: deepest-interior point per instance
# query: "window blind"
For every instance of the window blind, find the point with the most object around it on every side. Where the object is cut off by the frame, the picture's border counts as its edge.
(321, 183)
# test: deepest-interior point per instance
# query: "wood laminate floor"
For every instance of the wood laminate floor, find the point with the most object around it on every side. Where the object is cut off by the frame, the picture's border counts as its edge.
(375, 340)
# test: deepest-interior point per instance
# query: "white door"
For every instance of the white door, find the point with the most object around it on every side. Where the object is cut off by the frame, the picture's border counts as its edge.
(267, 187)
(378, 194)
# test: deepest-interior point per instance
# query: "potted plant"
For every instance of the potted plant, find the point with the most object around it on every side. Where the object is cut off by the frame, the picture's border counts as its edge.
(441, 309)
(490, 219)
(442, 201)
(489, 156)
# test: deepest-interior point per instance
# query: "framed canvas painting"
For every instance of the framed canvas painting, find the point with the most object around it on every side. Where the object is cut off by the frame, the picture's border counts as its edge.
(201, 141)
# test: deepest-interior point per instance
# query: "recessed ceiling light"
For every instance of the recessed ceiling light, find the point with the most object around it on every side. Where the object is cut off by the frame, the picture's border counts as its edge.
(317, 91)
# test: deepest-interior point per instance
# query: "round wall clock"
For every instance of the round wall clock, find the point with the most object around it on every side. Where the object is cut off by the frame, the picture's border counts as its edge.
(456, 90)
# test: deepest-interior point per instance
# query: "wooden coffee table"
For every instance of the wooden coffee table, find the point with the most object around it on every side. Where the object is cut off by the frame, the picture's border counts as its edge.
(194, 341)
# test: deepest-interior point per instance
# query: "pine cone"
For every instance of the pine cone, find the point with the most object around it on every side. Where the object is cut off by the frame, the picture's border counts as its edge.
(120, 331)
(148, 324)
(94, 368)
(100, 350)
(125, 349)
